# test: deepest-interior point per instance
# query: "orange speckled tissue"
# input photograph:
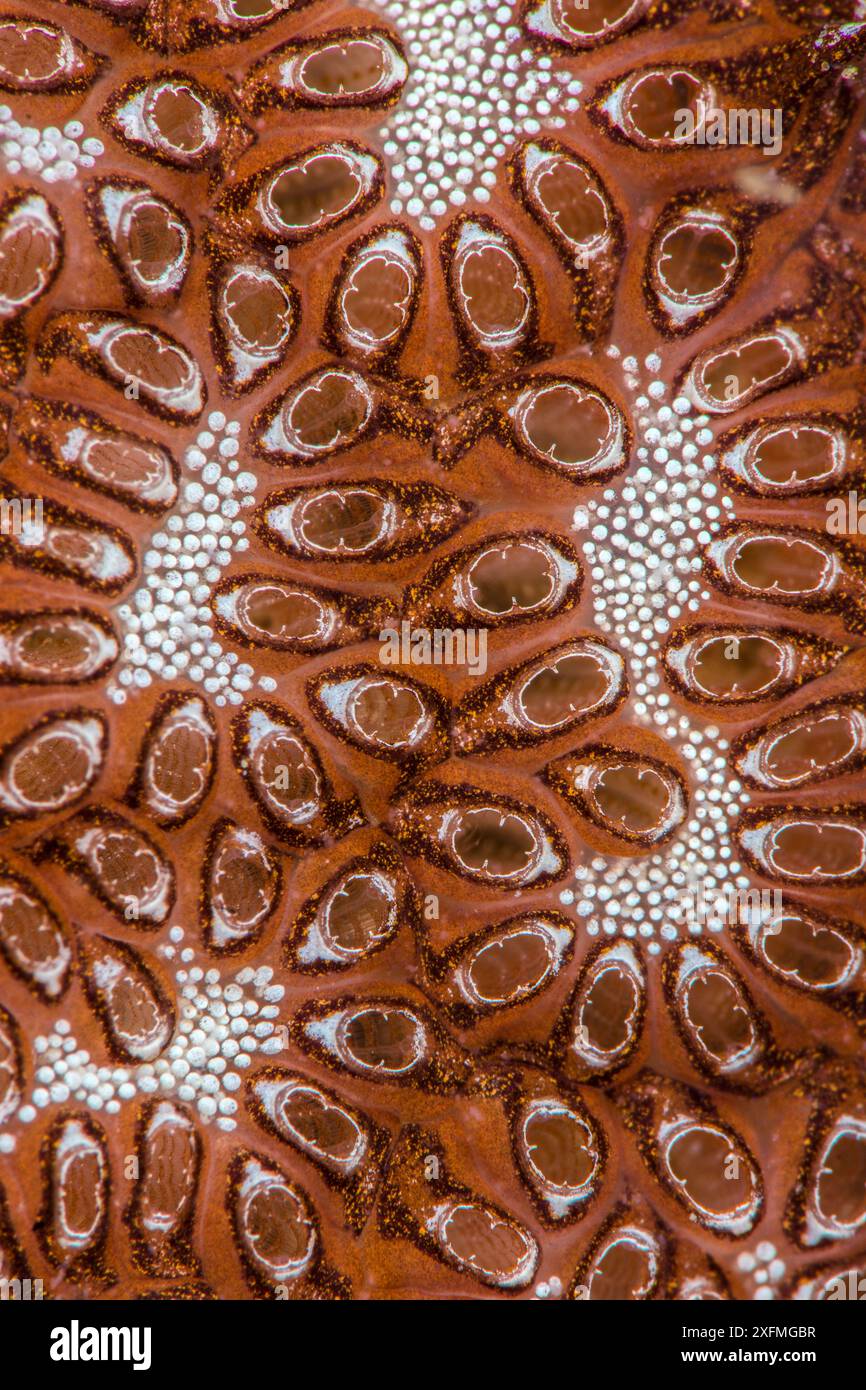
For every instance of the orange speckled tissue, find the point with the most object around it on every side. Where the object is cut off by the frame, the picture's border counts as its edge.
(433, 731)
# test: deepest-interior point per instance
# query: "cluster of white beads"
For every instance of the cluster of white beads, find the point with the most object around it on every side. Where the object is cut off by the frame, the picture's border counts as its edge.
(167, 624)
(475, 87)
(221, 1025)
(766, 1268)
(51, 154)
(548, 1288)
(643, 550)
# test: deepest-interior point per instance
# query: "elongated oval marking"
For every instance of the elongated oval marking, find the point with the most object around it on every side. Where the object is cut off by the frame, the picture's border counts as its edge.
(52, 765)
(273, 1221)
(310, 1119)
(136, 1014)
(32, 940)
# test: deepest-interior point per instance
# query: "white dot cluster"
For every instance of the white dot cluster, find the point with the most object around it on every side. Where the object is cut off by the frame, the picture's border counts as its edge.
(167, 624)
(643, 551)
(221, 1025)
(51, 154)
(475, 87)
(766, 1268)
(548, 1288)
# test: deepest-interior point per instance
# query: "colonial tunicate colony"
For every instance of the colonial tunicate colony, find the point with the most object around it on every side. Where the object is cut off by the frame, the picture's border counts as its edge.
(411, 975)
